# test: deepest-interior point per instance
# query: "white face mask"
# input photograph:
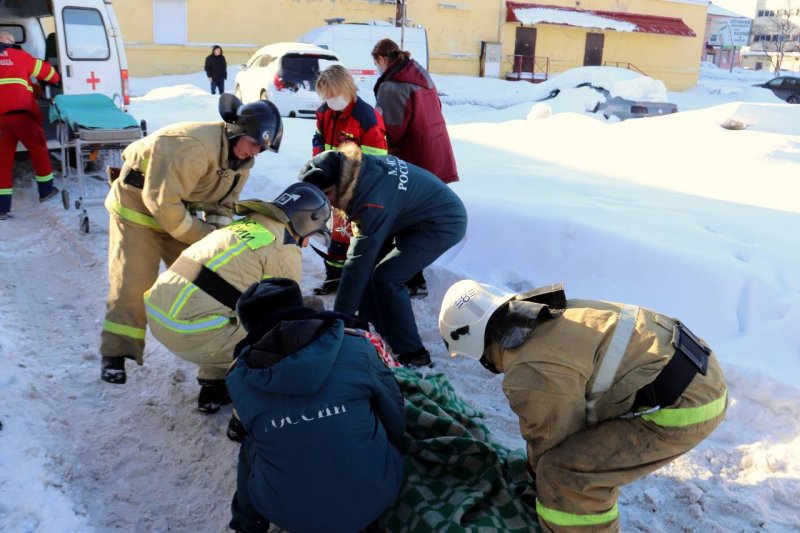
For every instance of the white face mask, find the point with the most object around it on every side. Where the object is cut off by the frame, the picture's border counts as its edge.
(338, 103)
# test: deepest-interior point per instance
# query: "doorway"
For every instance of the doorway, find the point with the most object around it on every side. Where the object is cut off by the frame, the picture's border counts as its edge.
(524, 49)
(593, 56)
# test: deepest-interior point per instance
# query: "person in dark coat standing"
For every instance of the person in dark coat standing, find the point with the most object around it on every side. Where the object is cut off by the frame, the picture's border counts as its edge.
(322, 412)
(412, 112)
(387, 200)
(216, 69)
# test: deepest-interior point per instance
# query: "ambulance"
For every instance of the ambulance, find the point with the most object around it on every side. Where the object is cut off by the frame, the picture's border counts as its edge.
(80, 38)
(352, 42)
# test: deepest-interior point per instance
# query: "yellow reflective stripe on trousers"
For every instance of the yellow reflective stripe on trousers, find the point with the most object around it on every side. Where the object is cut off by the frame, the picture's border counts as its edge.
(6, 191)
(136, 217)
(560, 518)
(122, 329)
(43, 179)
(371, 150)
(686, 416)
(20, 81)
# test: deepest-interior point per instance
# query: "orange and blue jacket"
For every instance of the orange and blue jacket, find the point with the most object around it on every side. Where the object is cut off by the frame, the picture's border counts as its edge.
(357, 123)
(17, 67)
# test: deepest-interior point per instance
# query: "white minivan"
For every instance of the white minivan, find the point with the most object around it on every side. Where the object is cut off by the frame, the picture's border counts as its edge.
(80, 38)
(353, 42)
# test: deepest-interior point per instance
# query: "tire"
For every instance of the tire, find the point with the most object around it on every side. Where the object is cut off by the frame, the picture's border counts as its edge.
(84, 224)
(65, 199)
(794, 99)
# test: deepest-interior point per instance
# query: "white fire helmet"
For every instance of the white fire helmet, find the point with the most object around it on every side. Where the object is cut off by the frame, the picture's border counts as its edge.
(466, 310)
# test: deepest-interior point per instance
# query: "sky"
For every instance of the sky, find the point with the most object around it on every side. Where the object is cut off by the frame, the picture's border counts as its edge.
(673, 213)
(746, 8)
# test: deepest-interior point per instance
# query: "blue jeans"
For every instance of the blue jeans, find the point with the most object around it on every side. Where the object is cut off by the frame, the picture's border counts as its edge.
(219, 84)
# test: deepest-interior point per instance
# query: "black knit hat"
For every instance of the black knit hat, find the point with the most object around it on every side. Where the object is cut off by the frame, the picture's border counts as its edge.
(323, 170)
(263, 304)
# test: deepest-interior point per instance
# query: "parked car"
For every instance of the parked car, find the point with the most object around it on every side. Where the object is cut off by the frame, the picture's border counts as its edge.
(784, 87)
(623, 109)
(625, 93)
(286, 74)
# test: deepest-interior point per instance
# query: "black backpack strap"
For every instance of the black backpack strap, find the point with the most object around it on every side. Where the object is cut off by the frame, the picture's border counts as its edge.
(207, 280)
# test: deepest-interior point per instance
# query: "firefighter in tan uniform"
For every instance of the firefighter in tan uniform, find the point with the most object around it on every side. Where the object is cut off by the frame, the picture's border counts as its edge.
(191, 307)
(166, 177)
(605, 393)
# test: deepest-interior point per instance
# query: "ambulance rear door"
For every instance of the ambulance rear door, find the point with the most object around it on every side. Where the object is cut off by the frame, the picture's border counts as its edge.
(89, 49)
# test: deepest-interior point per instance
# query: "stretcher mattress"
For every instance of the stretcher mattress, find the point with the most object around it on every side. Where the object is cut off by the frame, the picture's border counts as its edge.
(92, 112)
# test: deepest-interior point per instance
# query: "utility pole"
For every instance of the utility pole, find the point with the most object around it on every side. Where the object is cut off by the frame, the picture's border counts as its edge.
(400, 19)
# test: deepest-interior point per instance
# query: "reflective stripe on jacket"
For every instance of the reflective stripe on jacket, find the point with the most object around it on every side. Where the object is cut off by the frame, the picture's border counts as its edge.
(16, 68)
(358, 123)
(242, 253)
(183, 164)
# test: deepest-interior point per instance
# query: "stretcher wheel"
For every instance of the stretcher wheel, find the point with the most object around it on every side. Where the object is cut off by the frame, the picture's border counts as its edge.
(65, 199)
(84, 224)
(77, 204)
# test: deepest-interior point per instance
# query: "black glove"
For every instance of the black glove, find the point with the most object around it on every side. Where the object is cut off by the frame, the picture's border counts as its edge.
(360, 323)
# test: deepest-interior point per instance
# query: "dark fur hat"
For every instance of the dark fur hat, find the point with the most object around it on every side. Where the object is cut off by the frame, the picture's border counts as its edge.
(265, 303)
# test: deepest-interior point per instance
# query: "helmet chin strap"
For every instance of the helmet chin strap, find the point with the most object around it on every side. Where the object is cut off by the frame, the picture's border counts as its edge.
(488, 365)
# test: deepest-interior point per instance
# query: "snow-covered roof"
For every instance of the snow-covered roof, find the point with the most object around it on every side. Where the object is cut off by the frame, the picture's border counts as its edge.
(584, 18)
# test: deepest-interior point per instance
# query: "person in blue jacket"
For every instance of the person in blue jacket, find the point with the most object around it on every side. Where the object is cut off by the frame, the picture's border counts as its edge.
(387, 200)
(321, 411)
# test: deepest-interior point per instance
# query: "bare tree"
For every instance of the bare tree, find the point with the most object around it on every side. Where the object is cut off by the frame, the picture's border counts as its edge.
(779, 33)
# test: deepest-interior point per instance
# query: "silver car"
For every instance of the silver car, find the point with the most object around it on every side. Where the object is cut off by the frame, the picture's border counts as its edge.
(623, 108)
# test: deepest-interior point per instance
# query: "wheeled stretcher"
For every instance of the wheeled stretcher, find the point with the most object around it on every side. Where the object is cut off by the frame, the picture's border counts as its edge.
(87, 124)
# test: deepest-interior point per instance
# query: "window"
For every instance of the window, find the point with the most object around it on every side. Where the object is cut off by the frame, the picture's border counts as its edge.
(17, 31)
(169, 21)
(776, 82)
(85, 34)
(265, 61)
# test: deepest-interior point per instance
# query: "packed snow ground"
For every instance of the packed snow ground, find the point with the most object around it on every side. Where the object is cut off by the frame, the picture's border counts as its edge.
(674, 213)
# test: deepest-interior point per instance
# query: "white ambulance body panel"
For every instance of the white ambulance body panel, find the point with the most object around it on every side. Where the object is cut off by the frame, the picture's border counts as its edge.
(353, 43)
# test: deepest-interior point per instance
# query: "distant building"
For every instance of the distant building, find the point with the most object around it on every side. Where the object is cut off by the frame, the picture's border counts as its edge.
(513, 40)
(725, 36)
(775, 39)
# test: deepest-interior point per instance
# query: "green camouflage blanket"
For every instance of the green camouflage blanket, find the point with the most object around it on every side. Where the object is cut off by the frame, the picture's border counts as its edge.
(457, 478)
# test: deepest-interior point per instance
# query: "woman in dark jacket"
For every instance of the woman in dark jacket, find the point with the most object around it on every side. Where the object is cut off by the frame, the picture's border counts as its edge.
(322, 412)
(387, 200)
(216, 69)
(407, 98)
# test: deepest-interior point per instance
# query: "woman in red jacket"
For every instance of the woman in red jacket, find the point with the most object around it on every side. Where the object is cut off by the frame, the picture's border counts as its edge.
(406, 98)
(343, 118)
